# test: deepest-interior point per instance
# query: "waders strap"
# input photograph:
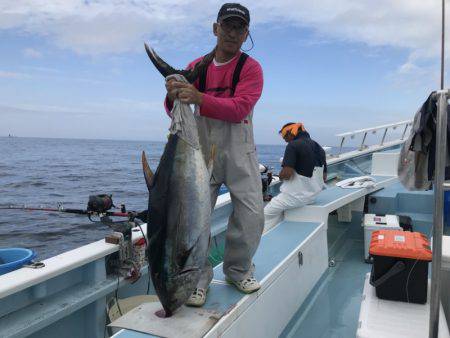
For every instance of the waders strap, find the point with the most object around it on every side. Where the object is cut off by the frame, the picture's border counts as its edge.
(237, 72)
(202, 78)
(236, 75)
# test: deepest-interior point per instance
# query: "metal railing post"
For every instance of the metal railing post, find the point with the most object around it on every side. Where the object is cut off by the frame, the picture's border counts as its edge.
(373, 130)
(404, 131)
(363, 140)
(342, 143)
(438, 219)
(384, 136)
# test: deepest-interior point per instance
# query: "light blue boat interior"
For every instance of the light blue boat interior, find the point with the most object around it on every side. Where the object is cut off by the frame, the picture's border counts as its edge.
(332, 308)
(270, 253)
(73, 304)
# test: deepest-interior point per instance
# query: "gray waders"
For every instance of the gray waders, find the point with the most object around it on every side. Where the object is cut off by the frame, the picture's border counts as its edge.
(236, 166)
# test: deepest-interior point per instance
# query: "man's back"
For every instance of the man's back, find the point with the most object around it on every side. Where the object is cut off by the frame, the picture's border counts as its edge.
(303, 154)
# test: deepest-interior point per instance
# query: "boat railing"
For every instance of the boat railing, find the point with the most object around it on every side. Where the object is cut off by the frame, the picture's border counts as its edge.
(364, 132)
(21, 279)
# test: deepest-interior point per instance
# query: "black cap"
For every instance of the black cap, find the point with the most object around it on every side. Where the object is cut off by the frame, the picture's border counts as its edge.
(229, 10)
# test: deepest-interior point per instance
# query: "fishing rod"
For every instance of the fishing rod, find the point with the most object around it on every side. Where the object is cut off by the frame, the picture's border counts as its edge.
(98, 205)
(69, 211)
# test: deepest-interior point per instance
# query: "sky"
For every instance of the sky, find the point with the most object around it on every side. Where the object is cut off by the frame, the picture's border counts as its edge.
(78, 69)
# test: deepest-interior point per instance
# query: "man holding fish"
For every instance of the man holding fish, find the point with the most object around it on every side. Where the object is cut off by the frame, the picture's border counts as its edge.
(228, 86)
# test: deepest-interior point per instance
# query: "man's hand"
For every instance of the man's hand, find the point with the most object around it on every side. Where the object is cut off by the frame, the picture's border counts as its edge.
(286, 173)
(185, 92)
(172, 90)
(189, 94)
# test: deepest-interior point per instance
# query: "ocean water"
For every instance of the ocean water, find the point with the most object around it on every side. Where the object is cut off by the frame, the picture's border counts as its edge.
(38, 172)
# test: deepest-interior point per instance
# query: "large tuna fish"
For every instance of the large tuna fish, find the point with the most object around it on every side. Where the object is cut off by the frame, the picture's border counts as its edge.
(179, 211)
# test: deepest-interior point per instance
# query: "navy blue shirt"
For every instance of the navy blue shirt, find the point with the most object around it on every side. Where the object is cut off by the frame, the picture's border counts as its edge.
(303, 154)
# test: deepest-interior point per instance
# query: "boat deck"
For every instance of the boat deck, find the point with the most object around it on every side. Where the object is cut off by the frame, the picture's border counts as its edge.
(276, 246)
(332, 308)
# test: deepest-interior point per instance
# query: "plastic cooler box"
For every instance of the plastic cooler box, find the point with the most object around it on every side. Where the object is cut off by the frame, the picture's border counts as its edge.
(373, 223)
(400, 265)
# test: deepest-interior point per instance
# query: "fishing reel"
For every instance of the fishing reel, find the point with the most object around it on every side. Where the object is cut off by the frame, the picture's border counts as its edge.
(266, 179)
(100, 203)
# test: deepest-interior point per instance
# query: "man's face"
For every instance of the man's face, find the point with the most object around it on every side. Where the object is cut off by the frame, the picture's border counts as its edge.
(231, 34)
(288, 137)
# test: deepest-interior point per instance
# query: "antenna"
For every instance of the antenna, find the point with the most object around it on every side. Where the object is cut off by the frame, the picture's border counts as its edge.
(438, 187)
(443, 44)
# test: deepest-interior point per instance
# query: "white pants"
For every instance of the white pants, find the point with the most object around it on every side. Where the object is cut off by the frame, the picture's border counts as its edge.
(274, 211)
(294, 193)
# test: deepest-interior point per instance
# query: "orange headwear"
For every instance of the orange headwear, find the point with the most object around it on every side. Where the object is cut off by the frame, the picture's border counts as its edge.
(292, 128)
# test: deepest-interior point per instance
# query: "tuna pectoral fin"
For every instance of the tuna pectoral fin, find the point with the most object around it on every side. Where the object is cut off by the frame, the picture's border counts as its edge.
(148, 174)
(182, 258)
(212, 155)
(190, 269)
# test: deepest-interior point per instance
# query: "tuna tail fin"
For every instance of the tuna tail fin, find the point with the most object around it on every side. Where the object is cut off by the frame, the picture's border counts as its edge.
(212, 155)
(148, 173)
(165, 69)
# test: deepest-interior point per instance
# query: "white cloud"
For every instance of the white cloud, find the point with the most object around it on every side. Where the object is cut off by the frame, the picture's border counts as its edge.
(408, 68)
(39, 109)
(32, 53)
(101, 27)
(119, 106)
(12, 75)
(117, 26)
(412, 24)
(124, 106)
(47, 73)
(114, 27)
(115, 118)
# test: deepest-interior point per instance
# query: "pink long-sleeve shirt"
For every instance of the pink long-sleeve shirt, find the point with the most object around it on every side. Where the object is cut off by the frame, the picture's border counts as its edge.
(218, 104)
